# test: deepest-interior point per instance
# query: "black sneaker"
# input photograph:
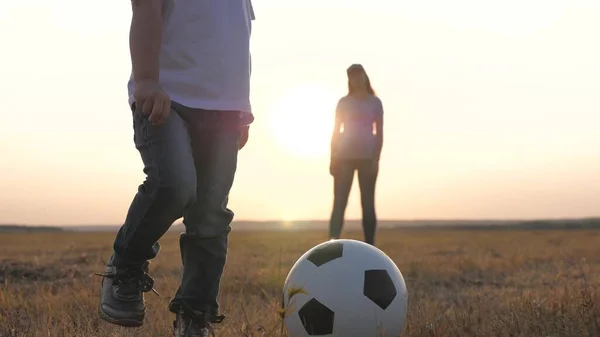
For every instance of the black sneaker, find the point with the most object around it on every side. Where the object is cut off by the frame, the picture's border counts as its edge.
(194, 325)
(122, 298)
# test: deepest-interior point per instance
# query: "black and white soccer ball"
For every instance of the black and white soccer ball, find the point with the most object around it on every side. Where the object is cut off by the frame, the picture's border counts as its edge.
(345, 288)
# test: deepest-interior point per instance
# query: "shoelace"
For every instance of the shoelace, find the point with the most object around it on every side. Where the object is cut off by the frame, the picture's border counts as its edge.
(140, 279)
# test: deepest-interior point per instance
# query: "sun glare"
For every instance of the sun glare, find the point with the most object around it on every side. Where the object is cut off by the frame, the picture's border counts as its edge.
(302, 120)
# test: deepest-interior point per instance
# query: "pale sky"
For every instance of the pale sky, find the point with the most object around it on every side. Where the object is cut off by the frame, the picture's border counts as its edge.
(492, 109)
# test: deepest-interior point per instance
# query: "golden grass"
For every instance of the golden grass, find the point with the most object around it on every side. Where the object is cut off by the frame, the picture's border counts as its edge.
(461, 283)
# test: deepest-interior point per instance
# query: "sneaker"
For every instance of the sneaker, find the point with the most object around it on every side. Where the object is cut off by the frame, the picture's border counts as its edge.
(194, 325)
(122, 298)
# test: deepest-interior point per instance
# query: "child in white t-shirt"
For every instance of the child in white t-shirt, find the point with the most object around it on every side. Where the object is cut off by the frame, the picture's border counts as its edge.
(189, 97)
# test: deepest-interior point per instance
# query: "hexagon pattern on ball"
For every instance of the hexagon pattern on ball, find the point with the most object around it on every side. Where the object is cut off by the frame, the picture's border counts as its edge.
(328, 252)
(316, 318)
(379, 287)
(344, 288)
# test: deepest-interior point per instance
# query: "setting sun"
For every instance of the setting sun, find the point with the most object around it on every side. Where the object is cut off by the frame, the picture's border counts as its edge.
(302, 119)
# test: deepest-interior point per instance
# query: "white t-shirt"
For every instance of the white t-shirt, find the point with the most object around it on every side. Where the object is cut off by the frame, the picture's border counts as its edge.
(205, 54)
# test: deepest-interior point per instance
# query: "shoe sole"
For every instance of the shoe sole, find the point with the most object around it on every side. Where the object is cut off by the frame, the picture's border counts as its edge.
(128, 323)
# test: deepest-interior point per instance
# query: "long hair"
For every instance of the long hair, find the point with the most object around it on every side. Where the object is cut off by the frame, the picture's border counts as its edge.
(358, 68)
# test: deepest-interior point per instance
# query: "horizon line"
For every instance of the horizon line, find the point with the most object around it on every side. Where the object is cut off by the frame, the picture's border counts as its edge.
(327, 220)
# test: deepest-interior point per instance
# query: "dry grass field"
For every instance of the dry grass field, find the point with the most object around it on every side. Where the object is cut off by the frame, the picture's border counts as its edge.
(461, 283)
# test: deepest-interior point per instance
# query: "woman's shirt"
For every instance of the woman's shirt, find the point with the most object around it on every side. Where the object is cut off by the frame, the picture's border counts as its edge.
(356, 116)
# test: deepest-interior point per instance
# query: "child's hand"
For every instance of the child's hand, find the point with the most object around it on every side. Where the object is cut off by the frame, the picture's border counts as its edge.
(151, 100)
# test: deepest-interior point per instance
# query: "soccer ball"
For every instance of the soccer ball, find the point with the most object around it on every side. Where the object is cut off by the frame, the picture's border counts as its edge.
(344, 288)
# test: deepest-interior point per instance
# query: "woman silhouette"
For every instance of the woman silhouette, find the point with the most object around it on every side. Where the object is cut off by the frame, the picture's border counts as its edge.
(354, 146)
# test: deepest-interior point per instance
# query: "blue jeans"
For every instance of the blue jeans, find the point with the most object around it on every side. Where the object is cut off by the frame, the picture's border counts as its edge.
(190, 163)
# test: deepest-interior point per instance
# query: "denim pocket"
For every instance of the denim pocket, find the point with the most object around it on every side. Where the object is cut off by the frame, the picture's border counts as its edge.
(221, 121)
